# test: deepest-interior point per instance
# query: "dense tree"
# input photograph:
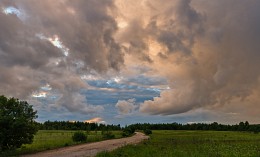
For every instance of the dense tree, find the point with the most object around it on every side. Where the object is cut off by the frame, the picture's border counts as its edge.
(128, 130)
(17, 125)
(147, 131)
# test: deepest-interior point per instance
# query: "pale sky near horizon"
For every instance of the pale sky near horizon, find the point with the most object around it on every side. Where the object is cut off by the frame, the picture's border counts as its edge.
(125, 61)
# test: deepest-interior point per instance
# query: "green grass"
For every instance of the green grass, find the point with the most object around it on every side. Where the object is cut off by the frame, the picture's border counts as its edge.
(193, 144)
(51, 139)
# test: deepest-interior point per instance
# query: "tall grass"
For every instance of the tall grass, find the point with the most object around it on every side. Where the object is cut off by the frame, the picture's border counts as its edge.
(193, 144)
(51, 139)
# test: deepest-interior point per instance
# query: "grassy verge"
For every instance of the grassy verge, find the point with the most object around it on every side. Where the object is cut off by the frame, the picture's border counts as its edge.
(193, 144)
(51, 139)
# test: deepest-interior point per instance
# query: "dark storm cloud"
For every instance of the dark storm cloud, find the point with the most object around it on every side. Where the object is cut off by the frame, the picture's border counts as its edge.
(85, 27)
(222, 66)
(136, 36)
(173, 24)
(29, 56)
(207, 52)
(176, 25)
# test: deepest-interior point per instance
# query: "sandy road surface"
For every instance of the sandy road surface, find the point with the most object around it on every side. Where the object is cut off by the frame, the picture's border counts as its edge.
(91, 149)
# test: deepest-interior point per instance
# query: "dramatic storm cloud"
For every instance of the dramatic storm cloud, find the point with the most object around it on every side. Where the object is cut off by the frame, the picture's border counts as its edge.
(189, 60)
(218, 66)
(54, 43)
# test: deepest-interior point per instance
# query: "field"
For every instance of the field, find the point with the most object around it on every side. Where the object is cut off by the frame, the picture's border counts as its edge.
(193, 144)
(50, 139)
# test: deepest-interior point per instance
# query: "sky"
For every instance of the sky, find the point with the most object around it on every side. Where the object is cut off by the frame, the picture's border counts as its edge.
(125, 61)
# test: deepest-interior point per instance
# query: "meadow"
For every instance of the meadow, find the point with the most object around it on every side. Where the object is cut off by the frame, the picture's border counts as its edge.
(193, 144)
(51, 139)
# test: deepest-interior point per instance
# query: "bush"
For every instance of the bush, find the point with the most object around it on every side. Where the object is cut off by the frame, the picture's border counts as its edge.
(147, 131)
(108, 135)
(128, 131)
(79, 137)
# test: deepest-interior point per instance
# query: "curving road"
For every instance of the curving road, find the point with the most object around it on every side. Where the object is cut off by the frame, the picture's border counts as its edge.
(91, 149)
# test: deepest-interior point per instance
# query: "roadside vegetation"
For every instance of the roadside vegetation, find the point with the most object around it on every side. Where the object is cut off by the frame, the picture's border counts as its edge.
(181, 143)
(51, 139)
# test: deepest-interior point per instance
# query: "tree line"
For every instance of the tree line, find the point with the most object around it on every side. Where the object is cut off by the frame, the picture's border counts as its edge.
(66, 125)
(242, 126)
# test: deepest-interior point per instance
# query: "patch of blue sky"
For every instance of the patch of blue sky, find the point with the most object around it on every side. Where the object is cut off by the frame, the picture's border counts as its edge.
(11, 10)
(55, 41)
(54, 114)
(115, 85)
(47, 87)
(14, 11)
(106, 84)
(99, 97)
(148, 81)
(122, 91)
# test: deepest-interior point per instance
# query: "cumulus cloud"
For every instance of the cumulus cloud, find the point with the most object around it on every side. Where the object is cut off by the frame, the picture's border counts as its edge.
(221, 66)
(95, 120)
(126, 107)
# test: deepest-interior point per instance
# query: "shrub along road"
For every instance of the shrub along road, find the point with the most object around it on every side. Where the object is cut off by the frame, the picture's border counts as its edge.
(91, 149)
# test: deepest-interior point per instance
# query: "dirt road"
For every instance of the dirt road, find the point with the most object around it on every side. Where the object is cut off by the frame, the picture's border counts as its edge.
(91, 149)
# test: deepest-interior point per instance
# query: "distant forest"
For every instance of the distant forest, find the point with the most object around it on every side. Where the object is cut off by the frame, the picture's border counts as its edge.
(66, 125)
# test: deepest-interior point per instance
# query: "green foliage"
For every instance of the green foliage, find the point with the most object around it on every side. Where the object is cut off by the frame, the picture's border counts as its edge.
(16, 122)
(182, 143)
(242, 126)
(147, 131)
(51, 139)
(128, 131)
(79, 137)
(66, 125)
(108, 135)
